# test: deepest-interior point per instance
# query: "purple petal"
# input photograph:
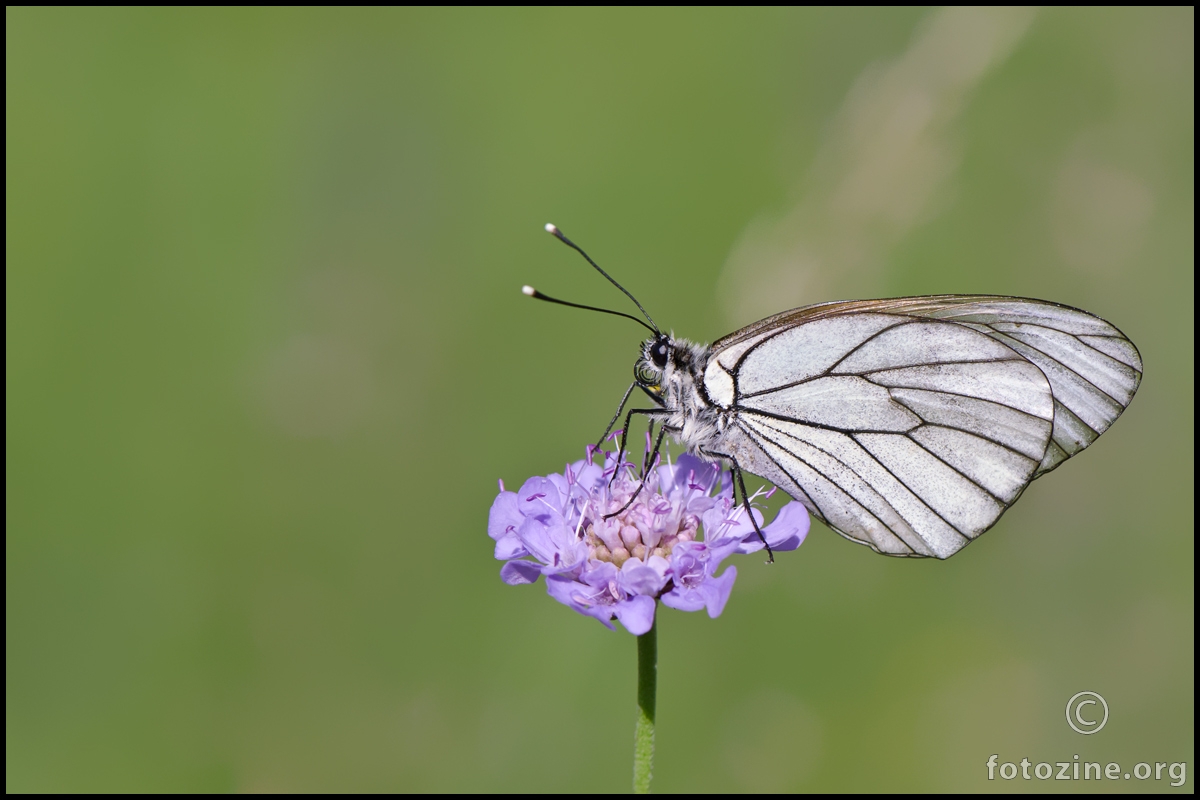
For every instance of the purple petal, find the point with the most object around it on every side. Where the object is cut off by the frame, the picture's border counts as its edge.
(716, 591)
(550, 541)
(602, 613)
(504, 515)
(588, 475)
(539, 496)
(683, 598)
(726, 488)
(536, 536)
(515, 573)
(724, 522)
(687, 561)
(671, 477)
(703, 473)
(568, 561)
(637, 578)
(721, 550)
(786, 531)
(568, 592)
(659, 565)
(509, 547)
(563, 589)
(698, 503)
(600, 574)
(636, 614)
(564, 489)
(688, 476)
(712, 594)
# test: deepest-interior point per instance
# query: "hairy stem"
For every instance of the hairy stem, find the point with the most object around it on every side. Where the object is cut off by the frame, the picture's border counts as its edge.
(643, 737)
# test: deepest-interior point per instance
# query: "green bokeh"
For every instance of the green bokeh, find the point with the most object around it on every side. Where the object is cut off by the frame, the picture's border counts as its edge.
(266, 359)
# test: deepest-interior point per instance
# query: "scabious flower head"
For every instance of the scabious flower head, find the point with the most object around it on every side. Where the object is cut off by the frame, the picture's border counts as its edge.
(668, 544)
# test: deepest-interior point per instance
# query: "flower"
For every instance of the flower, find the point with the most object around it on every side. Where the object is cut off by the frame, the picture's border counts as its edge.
(667, 544)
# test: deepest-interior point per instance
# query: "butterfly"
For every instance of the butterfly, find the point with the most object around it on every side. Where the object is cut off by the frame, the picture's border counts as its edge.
(909, 425)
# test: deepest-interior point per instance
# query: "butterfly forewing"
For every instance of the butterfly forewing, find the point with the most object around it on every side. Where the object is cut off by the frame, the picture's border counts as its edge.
(912, 424)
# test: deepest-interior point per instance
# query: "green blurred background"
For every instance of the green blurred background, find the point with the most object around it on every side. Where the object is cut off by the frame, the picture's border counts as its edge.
(266, 357)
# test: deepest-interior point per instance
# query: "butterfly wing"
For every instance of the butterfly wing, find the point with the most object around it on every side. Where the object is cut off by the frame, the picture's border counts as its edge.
(912, 424)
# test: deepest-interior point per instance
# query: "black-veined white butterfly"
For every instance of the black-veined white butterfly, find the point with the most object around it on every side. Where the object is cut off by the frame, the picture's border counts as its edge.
(908, 424)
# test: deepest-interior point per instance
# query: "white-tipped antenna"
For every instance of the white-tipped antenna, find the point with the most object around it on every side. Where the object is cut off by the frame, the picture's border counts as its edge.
(529, 291)
(552, 229)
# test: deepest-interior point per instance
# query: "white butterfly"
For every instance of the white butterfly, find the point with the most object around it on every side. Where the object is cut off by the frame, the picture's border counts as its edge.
(910, 424)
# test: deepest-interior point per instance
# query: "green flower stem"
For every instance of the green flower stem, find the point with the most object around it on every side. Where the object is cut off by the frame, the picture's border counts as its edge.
(643, 736)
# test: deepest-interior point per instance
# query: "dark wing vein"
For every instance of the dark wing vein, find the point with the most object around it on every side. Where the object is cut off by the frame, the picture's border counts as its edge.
(940, 391)
(863, 344)
(967, 477)
(756, 434)
(1010, 341)
(828, 373)
(753, 437)
(977, 434)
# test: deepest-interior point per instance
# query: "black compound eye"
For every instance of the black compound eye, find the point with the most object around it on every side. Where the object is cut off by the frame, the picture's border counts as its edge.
(658, 353)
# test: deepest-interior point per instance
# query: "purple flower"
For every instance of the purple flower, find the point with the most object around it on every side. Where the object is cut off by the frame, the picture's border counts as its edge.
(668, 544)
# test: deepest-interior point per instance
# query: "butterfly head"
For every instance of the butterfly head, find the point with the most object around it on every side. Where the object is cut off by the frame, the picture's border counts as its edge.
(667, 369)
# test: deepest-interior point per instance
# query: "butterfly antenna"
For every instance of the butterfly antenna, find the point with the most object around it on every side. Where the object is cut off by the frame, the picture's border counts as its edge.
(536, 295)
(551, 228)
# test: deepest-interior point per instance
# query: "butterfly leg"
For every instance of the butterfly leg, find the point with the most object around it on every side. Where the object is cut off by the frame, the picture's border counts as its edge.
(741, 483)
(615, 417)
(645, 469)
(649, 455)
(649, 412)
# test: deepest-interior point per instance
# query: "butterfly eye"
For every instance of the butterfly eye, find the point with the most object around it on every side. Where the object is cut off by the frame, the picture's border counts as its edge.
(658, 353)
